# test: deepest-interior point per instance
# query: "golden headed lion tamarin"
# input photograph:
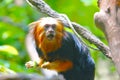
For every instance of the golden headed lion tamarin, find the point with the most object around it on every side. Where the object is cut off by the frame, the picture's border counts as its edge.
(61, 51)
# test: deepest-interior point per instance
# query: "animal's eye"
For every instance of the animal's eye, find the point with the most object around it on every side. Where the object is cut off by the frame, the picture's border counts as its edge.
(53, 26)
(46, 26)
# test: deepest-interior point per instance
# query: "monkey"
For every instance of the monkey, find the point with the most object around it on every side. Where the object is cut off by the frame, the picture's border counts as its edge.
(61, 50)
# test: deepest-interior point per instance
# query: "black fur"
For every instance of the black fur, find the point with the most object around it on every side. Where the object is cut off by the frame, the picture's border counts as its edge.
(75, 51)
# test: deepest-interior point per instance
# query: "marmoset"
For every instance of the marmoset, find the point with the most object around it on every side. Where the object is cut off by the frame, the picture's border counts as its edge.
(61, 50)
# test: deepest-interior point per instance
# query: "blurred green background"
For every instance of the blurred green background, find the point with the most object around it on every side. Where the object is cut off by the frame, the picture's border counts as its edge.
(15, 15)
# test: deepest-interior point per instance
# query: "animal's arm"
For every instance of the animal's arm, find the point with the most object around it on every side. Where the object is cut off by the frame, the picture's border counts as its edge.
(58, 65)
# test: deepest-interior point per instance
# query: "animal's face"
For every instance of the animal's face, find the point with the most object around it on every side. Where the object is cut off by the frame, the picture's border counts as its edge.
(48, 28)
(50, 31)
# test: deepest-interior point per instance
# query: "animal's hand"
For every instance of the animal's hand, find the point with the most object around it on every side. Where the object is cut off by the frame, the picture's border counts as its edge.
(58, 65)
(31, 64)
(46, 65)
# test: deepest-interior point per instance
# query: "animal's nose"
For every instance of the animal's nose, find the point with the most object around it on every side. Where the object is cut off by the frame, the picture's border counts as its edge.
(51, 30)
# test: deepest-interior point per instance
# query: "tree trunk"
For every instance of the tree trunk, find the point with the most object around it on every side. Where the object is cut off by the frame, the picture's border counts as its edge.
(108, 20)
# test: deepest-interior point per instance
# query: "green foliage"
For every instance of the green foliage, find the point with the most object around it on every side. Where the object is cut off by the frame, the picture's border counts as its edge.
(13, 28)
(6, 70)
(8, 49)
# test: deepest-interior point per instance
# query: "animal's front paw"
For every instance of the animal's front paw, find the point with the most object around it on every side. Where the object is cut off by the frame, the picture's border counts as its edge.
(46, 65)
(30, 64)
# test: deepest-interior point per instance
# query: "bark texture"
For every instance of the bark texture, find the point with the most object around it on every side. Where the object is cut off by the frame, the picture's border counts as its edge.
(108, 20)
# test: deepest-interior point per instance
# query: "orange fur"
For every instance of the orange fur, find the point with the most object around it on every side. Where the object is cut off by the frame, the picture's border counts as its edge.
(61, 51)
(58, 65)
(48, 46)
(42, 42)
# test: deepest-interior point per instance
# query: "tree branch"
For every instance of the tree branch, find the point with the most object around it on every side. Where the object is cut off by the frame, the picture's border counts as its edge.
(21, 77)
(44, 8)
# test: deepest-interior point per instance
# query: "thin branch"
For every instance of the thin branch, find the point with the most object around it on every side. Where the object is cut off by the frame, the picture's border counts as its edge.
(92, 38)
(46, 9)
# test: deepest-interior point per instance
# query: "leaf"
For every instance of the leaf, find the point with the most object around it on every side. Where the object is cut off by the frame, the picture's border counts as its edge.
(9, 49)
(6, 70)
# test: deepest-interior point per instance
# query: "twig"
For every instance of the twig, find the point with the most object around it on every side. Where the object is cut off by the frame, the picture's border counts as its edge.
(45, 8)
